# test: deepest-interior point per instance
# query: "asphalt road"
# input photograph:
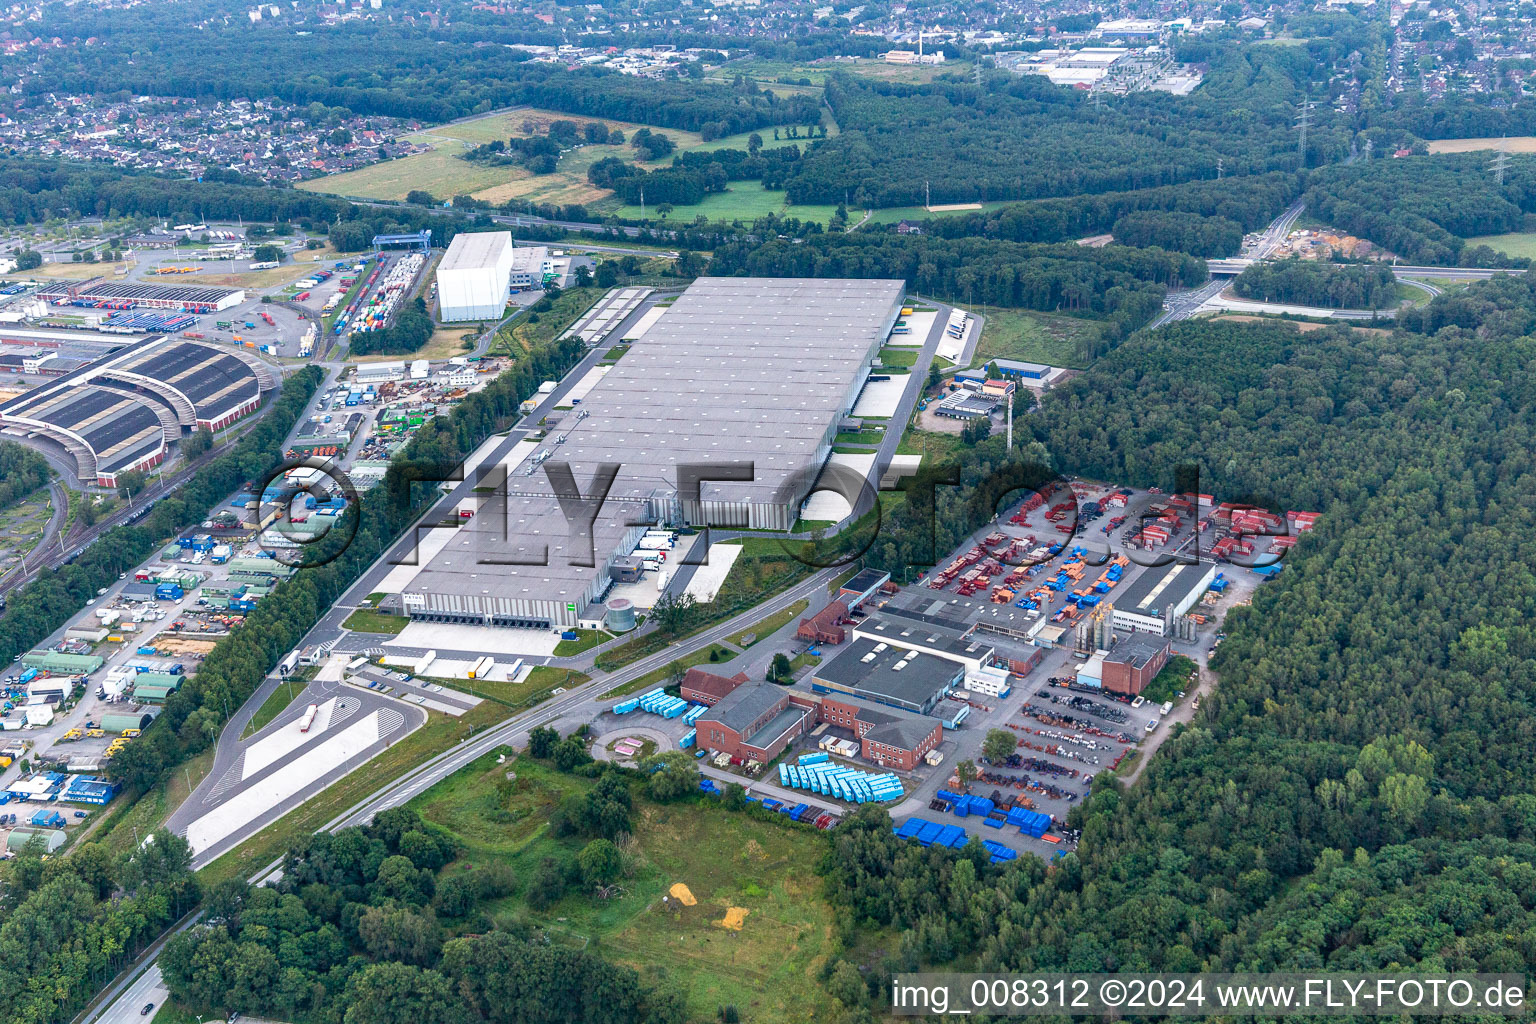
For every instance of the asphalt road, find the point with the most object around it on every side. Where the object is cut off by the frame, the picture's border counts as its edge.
(127, 995)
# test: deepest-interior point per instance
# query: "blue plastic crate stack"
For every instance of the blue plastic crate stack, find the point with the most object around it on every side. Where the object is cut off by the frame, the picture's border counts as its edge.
(797, 812)
(820, 774)
(931, 833)
(1030, 823)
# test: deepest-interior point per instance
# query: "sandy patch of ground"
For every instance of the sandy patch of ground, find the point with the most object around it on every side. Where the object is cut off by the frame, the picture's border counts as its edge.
(682, 894)
(734, 918)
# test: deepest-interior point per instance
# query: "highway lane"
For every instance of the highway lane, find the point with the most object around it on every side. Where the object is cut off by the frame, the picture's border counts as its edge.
(128, 994)
(148, 987)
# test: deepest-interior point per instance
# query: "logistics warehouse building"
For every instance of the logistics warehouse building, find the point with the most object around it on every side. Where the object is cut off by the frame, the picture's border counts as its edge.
(123, 411)
(745, 379)
(472, 278)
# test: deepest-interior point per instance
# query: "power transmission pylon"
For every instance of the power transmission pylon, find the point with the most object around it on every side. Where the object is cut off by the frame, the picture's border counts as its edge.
(1500, 161)
(1303, 122)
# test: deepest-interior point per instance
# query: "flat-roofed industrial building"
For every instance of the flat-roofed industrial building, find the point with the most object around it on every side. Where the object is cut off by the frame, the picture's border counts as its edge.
(745, 380)
(473, 275)
(1155, 599)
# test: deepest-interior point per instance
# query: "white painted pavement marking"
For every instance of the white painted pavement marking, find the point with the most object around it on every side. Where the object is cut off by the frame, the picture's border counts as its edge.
(268, 750)
(710, 577)
(282, 785)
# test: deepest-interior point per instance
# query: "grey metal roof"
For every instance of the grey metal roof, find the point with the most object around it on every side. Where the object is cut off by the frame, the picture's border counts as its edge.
(925, 634)
(757, 370)
(916, 682)
(895, 726)
(1156, 589)
(744, 705)
(1137, 649)
(475, 250)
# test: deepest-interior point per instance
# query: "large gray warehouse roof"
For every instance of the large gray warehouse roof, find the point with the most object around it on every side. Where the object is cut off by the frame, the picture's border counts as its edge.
(753, 370)
(740, 369)
(1160, 588)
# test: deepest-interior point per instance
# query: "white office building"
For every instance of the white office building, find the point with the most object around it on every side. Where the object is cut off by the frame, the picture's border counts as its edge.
(530, 265)
(472, 279)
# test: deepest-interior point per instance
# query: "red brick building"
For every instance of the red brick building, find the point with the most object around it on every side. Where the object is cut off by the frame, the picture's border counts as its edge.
(1134, 662)
(756, 721)
(887, 736)
(703, 687)
(826, 626)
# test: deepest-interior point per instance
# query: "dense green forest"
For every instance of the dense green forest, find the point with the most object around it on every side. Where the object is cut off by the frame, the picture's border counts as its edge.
(71, 923)
(1312, 283)
(1023, 138)
(1355, 792)
(1181, 232)
(1116, 283)
(1423, 208)
(394, 70)
(22, 471)
(1251, 201)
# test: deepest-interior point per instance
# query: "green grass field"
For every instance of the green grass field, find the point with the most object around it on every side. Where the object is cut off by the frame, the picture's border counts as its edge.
(1034, 337)
(273, 706)
(767, 969)
(366, 621)
(586, 639)
(748, 199)
(1519, 243)
(441, 172)
(721, 652)
(772, 624)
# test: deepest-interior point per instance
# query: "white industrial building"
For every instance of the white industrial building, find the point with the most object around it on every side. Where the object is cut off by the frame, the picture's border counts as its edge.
(1156, 598)
(472, 279)
(530, 265)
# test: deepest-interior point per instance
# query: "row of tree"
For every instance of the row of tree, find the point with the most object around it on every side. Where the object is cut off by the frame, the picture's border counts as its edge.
(51, 599)
(231, 672)
(1350, 796)
(22, 471)
(1121, 285)
(378, 925)
(411, 330)
(1315, 283)
(68, 925)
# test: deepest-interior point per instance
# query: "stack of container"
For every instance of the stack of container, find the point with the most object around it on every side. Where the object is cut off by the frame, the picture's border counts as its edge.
(694, 711)
(658, 702)
(999, 852)
(625, 707)
(687, 740)
(1030, 823)
(931, 833)
(818, 773)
